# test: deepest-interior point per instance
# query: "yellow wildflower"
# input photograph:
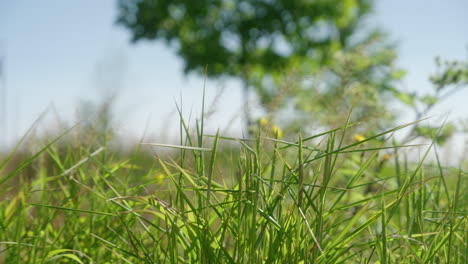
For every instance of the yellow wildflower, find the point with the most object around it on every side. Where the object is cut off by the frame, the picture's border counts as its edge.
(359, 137)
(264, 122)
(386, 156)
(277, 131)
(160, 178)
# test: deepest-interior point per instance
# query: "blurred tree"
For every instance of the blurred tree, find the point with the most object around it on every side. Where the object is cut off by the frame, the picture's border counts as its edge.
(247, 38)
(450, 78)
(359, 76)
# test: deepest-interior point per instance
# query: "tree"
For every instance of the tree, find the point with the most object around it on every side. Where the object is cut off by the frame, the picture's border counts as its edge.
(450, 78)
(359, 76)
(240, 37)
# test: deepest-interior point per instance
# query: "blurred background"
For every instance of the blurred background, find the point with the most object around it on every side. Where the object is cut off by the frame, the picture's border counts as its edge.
(69, 58)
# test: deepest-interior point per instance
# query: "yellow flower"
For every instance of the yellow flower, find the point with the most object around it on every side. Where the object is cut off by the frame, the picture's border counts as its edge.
(160, 178)
(264, 122)
(359, 137)
(386, 156)
(277, 131)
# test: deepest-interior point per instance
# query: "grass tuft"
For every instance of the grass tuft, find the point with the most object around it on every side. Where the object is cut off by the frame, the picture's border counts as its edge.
(320, 199)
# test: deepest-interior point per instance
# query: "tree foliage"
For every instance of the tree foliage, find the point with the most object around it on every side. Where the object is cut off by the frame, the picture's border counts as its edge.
(451, 77)
(229, 35)
(358, 77)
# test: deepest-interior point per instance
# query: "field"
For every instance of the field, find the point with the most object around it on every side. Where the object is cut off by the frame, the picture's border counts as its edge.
(333, 197)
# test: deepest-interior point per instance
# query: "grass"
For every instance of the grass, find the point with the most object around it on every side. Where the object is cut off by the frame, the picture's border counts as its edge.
(316, 199)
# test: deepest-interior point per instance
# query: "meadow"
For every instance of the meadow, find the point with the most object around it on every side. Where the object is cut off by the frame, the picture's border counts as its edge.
(331, 197)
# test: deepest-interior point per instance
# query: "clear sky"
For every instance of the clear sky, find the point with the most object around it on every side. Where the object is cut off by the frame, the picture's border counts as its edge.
(60, 52)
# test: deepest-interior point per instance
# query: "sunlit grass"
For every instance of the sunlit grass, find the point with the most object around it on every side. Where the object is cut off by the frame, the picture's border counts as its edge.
(310, 199)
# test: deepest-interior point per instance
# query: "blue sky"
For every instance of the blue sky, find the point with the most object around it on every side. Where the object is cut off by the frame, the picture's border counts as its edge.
(61, 52)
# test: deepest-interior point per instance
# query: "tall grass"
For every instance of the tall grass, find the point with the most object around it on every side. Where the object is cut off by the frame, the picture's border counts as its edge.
(313, 199)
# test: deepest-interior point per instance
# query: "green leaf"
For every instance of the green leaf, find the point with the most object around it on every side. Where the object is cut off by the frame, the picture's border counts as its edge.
(56, 254)
(429, 100)
(431, 132)
(398, 74)
(406, 98)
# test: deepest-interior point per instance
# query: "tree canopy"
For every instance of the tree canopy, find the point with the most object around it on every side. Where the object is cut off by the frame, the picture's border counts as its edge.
(229, 35)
